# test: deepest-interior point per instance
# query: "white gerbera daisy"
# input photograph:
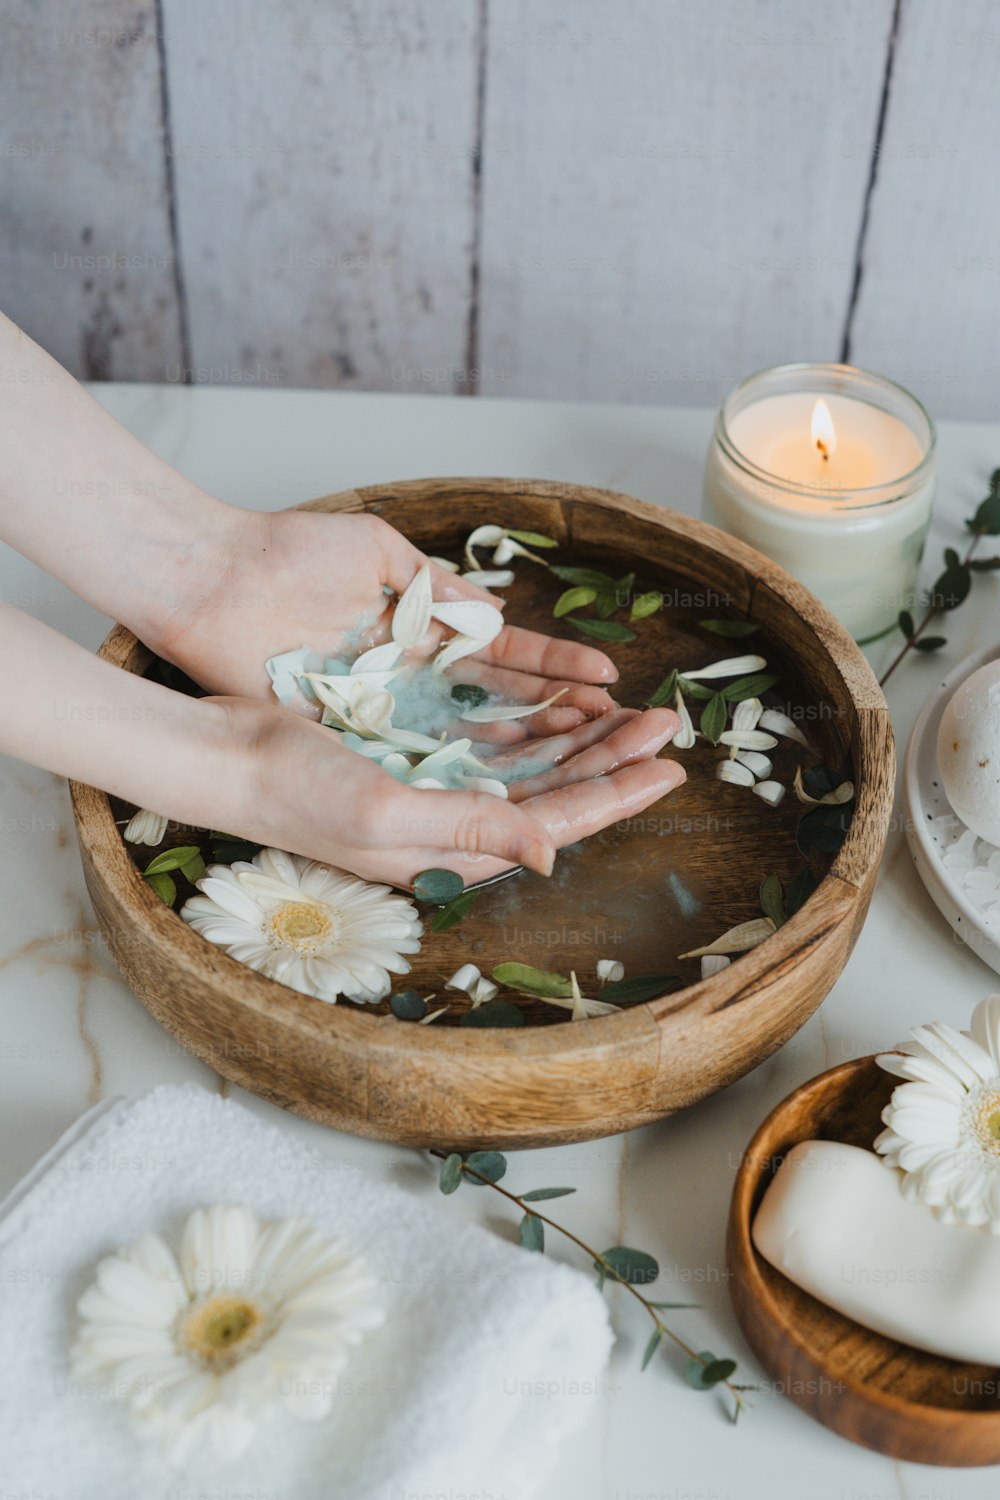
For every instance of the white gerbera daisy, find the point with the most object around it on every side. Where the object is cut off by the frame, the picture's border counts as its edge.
(247, 1317)
(318, 930)
(943, 1123)
(145, 827)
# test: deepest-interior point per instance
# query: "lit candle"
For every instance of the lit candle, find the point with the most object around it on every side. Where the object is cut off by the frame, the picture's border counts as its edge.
(829, 471)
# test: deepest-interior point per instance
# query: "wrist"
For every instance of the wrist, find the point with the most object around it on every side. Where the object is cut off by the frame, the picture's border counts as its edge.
(203, 571)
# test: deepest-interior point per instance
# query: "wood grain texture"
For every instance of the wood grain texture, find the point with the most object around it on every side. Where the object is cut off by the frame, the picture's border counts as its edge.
(931, 262)
(669, 198)
(364, 1071)
(871, 1389)
(324, 176)
(85, 240)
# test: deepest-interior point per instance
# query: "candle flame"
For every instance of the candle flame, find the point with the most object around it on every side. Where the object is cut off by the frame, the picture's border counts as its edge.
(824, 434)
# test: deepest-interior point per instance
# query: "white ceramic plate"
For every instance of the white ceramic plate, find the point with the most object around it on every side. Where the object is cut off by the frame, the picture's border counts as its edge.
(925, 800)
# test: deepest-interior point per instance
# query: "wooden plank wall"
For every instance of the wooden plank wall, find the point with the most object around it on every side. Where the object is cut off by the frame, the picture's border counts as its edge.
(562, 198)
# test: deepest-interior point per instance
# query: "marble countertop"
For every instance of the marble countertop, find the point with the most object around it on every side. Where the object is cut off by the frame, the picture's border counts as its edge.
(73, 1033)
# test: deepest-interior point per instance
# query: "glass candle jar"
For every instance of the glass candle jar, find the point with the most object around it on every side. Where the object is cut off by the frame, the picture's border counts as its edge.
(829, 471)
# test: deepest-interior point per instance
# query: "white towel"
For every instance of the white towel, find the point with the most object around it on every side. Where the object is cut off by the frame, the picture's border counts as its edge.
(489, 1359)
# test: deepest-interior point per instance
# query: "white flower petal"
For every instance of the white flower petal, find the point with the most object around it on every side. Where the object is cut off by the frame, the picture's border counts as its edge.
(456, 648)
(733, 666)
(472, 617)
(488, 715)
(145, 827)
(411, 618)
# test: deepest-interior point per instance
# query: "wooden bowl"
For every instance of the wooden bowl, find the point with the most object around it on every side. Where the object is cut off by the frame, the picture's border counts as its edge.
(871, 1389)
(551, 1081)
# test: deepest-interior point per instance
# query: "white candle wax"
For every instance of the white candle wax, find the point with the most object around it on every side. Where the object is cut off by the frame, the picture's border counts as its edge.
(846, 514)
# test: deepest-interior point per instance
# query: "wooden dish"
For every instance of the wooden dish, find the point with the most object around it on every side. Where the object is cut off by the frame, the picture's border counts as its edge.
(871, 1389)
(360, 1069)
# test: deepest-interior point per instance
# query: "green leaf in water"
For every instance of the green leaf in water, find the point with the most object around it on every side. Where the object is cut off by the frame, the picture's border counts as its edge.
(906, 624)
(227, 851)
(576, 598)
(733, 630)
(469, 694)
(493, 1013)
(772, 900)
(438, 887)
(800, 888)
(665, 693)
(588, 578)
(692, 689)
(639, 988)
(532, 981)
(532, 538)
(604, 630)
(452, 914)
(606, 606)
(930, 643)
(646, 605)
(749, 687)
(714, 718)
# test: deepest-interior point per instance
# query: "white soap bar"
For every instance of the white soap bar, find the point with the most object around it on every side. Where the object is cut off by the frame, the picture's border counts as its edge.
(835, 1222)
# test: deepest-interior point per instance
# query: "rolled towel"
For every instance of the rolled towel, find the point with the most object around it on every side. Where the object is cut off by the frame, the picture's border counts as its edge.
(488, 1361)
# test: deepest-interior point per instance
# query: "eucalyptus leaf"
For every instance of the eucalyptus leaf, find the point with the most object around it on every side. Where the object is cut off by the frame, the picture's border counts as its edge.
(173, 859)
(655, 1339)
(588, 578)
(407, 1005)
(772, 901)
(906, 624)
(469, 694)
(987, 517)
(984, 564)
(953, 585)
(538, 1195)
(451, 1173)
(714, 718)
(708, 1370)
(665, 693)
(532, 538)
(645, 605)
(533, 981)
(489, 1164)
(749, 687)
(493, 1013)
(450, 915)
(633, 1266)
(639, 988)
(575, 598)
(604, 630)
(164, 887)
(438, 887)
(930, 643)
(531, 1233)
(733, 630)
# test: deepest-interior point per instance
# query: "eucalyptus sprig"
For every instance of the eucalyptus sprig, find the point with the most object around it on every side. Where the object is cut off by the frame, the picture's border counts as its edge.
(952, 587)
(622, 1264)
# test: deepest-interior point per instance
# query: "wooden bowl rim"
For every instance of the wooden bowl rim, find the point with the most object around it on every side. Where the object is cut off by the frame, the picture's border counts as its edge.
(749, 1264)
(859, 854)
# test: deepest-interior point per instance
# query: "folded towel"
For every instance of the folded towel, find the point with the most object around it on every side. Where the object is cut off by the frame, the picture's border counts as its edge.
(488, 1361)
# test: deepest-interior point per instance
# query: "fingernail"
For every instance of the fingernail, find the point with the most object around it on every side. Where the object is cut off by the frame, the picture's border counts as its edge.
(540, 858)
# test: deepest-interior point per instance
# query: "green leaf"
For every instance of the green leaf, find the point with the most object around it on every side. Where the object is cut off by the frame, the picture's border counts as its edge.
(604, 630)
(606, 606)
(194, 869)
(733, 630)
(577, 598)
(692, 689)
(639, 988)
(227, 851)
(451, 1173)
(531, 1233)
(493, 1013)
(800, 888)
(173, 859)
(469, 694)
(532, 538)
(987, 517)
(749, 687)
(438, 887)
(708, 1370)
(489, 1164)
(452, 914)
(906, 623)
(633, 1266)
(930, 643)
(645, 605)
(654, 1343)
(533, 981)
(588, 578)
(538, 1195)
(164, 888)
(772, 901)
(665, 693)
(714, 718)
(688, 1306)
(984, 564)
(407, 1005)
(952, 587)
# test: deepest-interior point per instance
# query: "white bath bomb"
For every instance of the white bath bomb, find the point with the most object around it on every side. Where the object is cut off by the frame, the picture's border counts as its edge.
(968, 752)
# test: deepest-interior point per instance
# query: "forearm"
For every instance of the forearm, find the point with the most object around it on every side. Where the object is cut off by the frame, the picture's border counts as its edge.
(89, 503)
(78, 716)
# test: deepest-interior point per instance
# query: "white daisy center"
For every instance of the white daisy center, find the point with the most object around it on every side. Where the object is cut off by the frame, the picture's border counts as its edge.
(306, 926)
(220, 1330)
(983, 1114)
